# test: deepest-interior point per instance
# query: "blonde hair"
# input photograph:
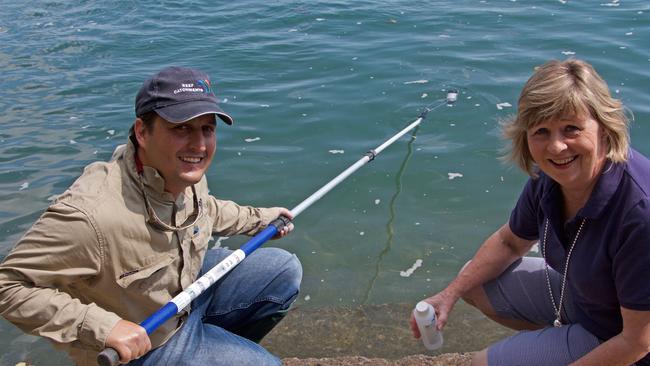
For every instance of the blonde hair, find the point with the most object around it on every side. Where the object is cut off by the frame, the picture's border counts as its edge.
(564, 88)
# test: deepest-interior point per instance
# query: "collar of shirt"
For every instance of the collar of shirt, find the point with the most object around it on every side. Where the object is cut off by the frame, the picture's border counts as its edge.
(603, 192)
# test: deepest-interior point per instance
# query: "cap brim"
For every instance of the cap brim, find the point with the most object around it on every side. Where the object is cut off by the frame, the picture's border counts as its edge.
(183, 112)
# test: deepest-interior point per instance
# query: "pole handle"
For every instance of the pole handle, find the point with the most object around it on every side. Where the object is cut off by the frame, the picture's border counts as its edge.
(108, 357)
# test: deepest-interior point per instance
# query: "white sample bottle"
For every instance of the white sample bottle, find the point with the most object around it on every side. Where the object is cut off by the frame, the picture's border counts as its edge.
(425, 317)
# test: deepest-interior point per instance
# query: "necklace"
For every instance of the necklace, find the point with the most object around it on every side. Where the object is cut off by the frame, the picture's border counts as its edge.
(557, 308)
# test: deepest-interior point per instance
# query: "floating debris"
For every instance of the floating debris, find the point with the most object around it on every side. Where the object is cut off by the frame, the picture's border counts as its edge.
(252, 139)
(424, 95)
(336, 151)
(377, 201)
(307, 298)
(454, 175)
(264, 105)
(409, 272)
(568, 53)
(362, 233)
(504, 104)
(111, 132)
(24, 186)
(72, 142)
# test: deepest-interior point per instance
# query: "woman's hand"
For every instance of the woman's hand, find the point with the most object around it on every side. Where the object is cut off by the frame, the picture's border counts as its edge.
(442, 303)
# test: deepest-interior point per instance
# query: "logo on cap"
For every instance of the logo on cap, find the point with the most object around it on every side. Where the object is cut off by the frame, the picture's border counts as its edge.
(205, 84)
(202, 87)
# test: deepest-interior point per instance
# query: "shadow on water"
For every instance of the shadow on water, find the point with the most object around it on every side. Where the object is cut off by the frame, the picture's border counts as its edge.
(389, 225)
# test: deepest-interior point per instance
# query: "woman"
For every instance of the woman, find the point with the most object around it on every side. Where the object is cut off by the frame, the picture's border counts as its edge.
(586, 301)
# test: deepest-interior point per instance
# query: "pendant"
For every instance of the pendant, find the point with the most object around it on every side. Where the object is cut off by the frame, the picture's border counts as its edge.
(557, 323)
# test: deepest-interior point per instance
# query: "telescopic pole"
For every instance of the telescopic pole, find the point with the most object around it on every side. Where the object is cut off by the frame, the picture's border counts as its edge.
(110, 357)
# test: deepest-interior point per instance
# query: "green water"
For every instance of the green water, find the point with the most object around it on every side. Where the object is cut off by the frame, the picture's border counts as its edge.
(308, 78)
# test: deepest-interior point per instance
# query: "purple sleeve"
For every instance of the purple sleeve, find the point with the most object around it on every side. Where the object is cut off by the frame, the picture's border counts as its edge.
(523, 218)
(631, 261)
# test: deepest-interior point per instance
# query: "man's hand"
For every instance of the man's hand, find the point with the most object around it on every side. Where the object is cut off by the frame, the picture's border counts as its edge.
(287, 229)
(129, 340)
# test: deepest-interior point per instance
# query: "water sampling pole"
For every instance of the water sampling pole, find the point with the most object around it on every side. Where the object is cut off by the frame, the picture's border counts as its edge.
(110, 357)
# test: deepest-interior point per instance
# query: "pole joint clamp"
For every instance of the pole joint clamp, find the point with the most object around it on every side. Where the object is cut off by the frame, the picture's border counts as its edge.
(371, 154)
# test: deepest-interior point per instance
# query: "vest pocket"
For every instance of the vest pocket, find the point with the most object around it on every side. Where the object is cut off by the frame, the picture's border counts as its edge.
(127, 277)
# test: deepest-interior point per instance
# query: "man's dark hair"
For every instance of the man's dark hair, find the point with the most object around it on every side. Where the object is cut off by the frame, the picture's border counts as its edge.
(148, 119)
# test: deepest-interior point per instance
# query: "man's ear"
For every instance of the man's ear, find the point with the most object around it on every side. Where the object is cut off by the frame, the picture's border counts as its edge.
(140, 130)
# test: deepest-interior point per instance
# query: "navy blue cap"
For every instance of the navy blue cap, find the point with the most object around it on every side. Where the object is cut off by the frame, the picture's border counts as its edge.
(179, 94)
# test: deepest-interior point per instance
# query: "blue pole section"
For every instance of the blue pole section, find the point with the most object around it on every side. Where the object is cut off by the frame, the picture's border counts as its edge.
(259, 239)
(159, 317)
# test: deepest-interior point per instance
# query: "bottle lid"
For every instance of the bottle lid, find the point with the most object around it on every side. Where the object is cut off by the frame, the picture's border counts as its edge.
(452, 96)
(422, 307)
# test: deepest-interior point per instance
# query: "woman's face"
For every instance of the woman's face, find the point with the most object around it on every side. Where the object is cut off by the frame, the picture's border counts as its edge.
(571, 150)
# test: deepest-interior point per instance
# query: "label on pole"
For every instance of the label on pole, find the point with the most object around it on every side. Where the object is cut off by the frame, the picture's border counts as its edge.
(199, 286)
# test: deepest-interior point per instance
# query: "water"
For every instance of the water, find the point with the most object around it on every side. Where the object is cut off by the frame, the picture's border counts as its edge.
(306, 78)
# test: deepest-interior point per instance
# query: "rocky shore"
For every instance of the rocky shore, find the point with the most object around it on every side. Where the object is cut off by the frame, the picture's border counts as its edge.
(375, 335)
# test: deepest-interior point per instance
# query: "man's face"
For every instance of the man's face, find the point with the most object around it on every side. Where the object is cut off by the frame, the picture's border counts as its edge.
(181, 152)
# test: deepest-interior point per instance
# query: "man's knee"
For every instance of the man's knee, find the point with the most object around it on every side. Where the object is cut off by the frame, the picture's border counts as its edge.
(289, 266)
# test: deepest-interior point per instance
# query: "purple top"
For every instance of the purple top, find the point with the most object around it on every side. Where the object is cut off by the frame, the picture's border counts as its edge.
(610, 262)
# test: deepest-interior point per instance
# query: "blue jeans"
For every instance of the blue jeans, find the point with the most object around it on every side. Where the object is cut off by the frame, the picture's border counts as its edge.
(250, 299)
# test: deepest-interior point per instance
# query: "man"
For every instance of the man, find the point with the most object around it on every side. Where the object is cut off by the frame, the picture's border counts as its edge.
(132, 233)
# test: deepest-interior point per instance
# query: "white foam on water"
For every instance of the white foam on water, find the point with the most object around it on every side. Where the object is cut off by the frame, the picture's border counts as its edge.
(613, 3)
(424, 95)
(336, 151)
(221, 238)
(502, 105)
(253, 139)
(264, 105)
(568, 53)
(454, 175)
(409, 272)
(72, 142)
(416, 82)
(535, 248)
